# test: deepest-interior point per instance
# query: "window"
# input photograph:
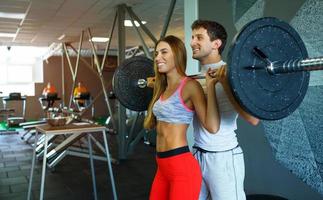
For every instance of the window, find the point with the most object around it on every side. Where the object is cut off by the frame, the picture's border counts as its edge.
(20, 68)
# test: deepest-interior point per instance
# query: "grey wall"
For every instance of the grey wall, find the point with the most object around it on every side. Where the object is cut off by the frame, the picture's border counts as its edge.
(265, 175)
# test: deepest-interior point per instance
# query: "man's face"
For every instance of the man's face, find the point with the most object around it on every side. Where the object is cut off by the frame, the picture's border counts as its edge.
(201, 44)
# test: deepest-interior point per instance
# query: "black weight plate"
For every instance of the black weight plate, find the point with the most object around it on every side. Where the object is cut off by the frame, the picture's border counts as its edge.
(125, 83)
(263, 95)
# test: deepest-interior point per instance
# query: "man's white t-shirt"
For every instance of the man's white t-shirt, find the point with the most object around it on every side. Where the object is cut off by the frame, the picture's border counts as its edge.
(225, 138)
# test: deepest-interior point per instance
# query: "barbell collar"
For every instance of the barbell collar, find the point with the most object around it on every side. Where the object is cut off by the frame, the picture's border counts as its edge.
(142, 83)
(296, 65)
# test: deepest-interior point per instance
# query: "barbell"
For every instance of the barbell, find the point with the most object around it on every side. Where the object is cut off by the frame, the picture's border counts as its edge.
(268, 71)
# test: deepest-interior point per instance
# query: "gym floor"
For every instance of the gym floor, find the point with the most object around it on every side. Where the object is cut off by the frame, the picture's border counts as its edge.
(71, 178)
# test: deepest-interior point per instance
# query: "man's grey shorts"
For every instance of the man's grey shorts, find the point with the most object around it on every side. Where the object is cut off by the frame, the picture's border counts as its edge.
(223, 174)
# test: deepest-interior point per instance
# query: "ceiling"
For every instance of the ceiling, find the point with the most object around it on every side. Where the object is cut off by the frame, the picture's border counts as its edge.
(47, 20)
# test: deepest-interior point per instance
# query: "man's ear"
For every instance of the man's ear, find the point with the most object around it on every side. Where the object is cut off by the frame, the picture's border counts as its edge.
(216, 43)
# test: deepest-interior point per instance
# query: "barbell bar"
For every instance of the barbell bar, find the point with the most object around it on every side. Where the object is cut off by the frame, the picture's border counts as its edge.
(268, 71)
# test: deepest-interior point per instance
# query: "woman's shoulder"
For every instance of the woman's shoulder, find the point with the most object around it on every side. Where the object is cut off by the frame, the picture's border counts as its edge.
(192, 84)
(191, 81)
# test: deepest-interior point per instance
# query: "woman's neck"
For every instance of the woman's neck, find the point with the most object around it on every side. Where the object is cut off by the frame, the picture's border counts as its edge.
(173, 78)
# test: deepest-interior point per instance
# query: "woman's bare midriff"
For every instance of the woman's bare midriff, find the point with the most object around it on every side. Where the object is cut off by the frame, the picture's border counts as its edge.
(170, 136)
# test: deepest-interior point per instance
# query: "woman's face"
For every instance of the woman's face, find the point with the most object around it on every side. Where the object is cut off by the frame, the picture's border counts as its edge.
(164, 58)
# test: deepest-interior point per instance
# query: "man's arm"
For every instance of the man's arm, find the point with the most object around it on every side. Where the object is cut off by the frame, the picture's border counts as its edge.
(249, 118)
(245, 115)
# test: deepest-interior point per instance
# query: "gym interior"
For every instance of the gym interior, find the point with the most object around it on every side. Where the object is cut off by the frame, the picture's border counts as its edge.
(70, 130)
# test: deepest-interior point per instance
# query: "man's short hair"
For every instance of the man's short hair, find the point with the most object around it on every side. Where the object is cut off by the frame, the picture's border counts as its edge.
(214, 30)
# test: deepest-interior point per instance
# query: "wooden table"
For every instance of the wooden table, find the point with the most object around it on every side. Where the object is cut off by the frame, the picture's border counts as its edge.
(75, 128)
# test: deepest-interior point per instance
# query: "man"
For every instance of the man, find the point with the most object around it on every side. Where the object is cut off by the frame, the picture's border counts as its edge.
(219, 155)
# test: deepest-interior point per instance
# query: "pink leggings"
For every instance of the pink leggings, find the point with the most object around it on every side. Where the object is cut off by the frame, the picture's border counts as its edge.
(178, 177)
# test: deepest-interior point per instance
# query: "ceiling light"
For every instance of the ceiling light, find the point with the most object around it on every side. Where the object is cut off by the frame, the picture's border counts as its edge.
(99, 39)
(12, 15)
(129, 24)
(61, 37)
(7, 35)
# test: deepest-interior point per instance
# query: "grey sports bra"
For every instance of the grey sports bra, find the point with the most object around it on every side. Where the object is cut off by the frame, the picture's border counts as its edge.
(173, 109)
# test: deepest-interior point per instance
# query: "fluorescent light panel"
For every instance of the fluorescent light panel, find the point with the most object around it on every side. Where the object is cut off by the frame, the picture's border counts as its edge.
(61, 37)
(12, 15)
(129, 24)
(99, 39)
(8, 35)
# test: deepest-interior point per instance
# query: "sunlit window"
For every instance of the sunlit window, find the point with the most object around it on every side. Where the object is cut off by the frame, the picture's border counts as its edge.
(20, 74)
(19, 69)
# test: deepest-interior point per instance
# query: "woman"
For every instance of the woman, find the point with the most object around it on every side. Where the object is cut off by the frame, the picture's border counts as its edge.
(175, 100)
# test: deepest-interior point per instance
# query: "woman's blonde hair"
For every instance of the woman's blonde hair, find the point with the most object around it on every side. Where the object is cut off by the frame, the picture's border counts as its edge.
(179, 54)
